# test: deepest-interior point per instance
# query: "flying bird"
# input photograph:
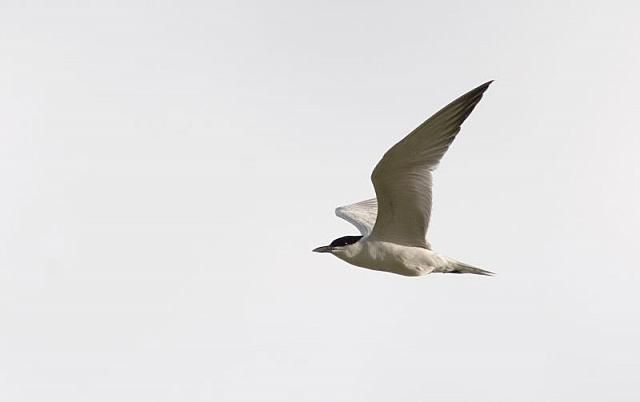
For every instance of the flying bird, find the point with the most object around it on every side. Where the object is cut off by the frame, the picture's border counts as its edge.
(393, 226)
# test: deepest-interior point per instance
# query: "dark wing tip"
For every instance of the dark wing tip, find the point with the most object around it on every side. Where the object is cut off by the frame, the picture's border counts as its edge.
(462, 107)
(486, 84)
(478, 90)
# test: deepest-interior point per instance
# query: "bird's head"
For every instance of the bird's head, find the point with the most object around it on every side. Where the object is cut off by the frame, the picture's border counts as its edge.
(338, 244)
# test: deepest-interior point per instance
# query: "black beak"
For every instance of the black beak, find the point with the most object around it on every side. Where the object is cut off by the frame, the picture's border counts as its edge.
(322, 249)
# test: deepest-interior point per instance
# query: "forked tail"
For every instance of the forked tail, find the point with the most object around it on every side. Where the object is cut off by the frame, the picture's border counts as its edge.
(457, 267)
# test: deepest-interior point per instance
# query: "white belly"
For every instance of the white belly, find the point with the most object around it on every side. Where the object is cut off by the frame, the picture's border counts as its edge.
(390, 257)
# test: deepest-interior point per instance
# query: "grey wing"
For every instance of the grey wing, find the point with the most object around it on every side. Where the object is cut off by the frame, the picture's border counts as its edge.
(362, 215)
(403, 180)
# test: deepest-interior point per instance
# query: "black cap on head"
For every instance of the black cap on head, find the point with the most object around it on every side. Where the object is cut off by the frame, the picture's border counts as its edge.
(344, 241)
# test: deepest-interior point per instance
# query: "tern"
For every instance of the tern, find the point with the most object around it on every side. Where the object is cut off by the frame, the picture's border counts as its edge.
(393, 226)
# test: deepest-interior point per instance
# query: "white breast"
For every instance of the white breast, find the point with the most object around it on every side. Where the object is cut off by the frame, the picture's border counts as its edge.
(390, 257)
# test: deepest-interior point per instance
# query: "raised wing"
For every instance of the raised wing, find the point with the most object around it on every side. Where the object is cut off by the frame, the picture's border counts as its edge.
(402, 179)
(362, 215)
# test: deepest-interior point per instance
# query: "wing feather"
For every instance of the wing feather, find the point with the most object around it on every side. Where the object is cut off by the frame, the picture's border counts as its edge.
(362, 215)
(403, 180)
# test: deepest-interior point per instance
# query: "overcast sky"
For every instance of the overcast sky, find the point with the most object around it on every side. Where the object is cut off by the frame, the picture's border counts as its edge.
(167, 167)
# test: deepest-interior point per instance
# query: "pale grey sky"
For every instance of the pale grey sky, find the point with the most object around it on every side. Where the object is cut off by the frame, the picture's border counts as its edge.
(167, 168)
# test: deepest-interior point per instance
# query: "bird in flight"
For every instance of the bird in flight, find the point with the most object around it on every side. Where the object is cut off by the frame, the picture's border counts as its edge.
(393, 226)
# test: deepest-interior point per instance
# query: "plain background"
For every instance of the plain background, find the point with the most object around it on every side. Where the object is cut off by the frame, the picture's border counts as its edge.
(167, 167)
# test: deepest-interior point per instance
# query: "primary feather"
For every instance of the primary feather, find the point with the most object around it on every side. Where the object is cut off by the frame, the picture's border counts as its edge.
(403, 179)
(362, 215)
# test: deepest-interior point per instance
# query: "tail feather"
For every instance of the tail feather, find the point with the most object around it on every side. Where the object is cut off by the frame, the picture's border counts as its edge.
(456, 267)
